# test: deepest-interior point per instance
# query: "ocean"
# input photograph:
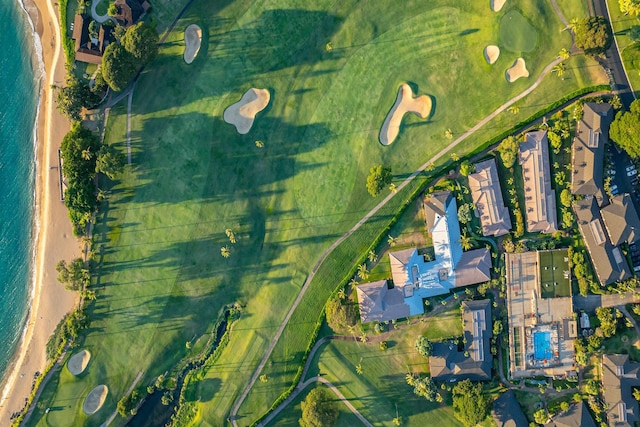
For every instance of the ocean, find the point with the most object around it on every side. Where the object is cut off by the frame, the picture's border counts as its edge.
(18, 110)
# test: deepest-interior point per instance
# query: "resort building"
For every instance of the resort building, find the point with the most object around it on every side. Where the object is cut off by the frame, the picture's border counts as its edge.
(608, 260)
(487, 198)
(507, 412)
(540, 198)
(540, 314)
(415, 278)
(587, 151)
(621, 219)
(619, 376)
(130, 11)
(475, 360)
(89, 48)
(577, 416)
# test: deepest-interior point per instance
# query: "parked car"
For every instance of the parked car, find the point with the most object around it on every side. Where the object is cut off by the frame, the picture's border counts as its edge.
(614, 190)
(631, 171)
(611, 172)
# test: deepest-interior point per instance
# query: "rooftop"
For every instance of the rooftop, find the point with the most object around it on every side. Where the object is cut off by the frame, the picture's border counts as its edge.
(540, 198)
(379, 303)
(448, 363)
(487, 198)
(607, 259)
(507, 411)
(619, 375)
(577, 416)
(588, 150)
(621, 219)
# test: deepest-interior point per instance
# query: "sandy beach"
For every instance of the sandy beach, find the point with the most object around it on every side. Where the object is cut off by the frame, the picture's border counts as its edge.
(49, 301)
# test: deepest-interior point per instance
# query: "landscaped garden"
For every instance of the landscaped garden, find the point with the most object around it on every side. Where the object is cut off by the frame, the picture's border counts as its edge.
(287, 189)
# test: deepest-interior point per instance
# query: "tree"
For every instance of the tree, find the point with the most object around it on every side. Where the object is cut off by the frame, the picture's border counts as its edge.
(113, 10)
(392, 241)
(467, 168)
(340, 314)
(564, 53)
(74, 97)
(167, 398)
(514, 109)
(593, 35)
(540, 416)
(424, 347)
(126, 405)
(75, 275)
(566, 198)
(636, 394)
(564, 406)
(592, 387)
(615, 101)
(424, 386)
(231, 235)
(118, 66)
(508, 150)
(465, 242)
(363, 273)
(141, 41)
(608, 322)
(625, 130)
(379, 177)
(464, 213)
(110, 161)
(225, 251)
(629, 7)
(260, 144)
(372, 256)
(559, 69)
(469, 403)
(359, 370)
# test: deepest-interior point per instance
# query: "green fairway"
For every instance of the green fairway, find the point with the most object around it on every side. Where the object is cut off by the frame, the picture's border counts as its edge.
(516, 33)
(162, 279)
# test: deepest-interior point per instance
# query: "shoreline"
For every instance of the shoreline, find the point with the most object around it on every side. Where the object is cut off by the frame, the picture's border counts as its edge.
(48, 301)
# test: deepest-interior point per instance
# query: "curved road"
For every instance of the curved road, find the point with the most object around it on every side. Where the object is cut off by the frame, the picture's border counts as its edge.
(303, 290)
(94, 14)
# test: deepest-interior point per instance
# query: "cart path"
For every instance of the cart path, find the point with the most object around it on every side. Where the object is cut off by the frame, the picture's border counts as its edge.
(325, 254)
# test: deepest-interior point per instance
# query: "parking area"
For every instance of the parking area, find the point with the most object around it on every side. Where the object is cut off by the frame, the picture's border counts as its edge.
(623, 173)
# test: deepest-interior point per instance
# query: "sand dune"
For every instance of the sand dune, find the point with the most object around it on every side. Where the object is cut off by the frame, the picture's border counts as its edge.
(491, 54)
(242, 113)
(517, 70)
(192, 41)
(405, 103)
(95, 399)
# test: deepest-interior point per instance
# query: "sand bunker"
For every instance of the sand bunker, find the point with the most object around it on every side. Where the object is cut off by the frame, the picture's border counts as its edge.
(405, 103)
(242, 113)
(496, 5)
(192, 41)
(491, 54)
(78, 362)
(95, 399)
(517, 70)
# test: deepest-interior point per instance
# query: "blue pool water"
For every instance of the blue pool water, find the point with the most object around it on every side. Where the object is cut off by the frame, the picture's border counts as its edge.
(542, 345)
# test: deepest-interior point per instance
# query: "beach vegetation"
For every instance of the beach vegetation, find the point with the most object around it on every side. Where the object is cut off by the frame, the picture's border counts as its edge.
(318, 409)
(74, 97)
(66, 330)
(74, 275)
(80, 196)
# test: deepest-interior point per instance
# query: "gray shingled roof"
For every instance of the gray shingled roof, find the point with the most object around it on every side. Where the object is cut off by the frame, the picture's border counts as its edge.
(446, 362)
(577, 416)
(378, 303)
(621, 219)
(507, 411)
(619, 375)
(610, 263)
(487, 196)
(434, 204)
(540, 198)
(474, 267)
(588, 150)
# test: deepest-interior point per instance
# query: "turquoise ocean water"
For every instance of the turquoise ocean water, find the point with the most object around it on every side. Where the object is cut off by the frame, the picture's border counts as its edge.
(18, 108)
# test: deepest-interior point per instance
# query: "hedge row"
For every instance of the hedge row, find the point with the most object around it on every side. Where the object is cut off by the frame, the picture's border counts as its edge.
(67, 43)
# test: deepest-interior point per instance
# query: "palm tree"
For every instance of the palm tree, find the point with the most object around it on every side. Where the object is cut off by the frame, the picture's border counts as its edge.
(392, 241)
(448, 134)
(359, 370)
(259, 144)
(87, 154)
(363, 337)
(231, 235)
(514, 109)
(225, 252)
(573, 24)
(559, 69)
(372, 256)
(411, 379)
(342, 294)
(363, 273)
(465, 242)
(353, 282)
(455, 157)
(393, 188)
(102, 194)
(564, 54)
(430, 167)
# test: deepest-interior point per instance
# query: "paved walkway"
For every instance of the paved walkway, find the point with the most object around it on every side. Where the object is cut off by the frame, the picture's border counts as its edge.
(371, 213)
(591, 302)
(129, 390)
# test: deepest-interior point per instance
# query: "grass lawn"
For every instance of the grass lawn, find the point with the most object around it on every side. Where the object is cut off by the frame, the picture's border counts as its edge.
(162, 278)
(623, 343)
(102, 7)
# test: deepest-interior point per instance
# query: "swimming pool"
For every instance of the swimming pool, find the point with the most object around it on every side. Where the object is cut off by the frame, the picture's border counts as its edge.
(542, 345)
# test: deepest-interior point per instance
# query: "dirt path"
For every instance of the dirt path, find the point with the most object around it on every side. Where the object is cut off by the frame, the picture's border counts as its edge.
(303, 290)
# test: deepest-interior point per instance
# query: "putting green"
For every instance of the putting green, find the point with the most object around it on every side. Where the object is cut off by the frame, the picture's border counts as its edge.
(516, 33)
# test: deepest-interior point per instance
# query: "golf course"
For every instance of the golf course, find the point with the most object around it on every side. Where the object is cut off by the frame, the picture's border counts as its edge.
(287, 177)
